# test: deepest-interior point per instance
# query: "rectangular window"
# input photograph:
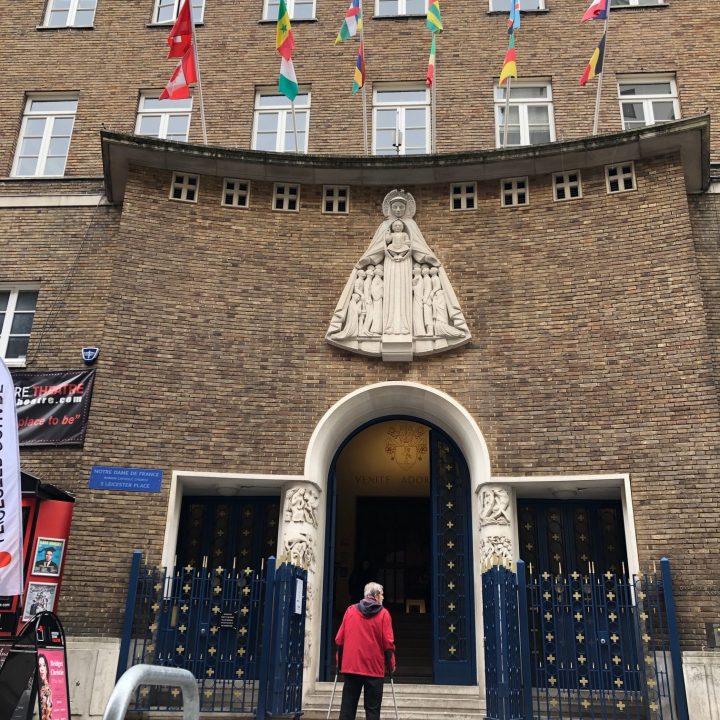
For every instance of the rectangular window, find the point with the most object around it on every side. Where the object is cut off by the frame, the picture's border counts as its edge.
(504, 5)
(335, 198)
(45, 135)
(463, 196)
(17, 310)
(164, 119)
(620, 178)
(514, 192)
(166, 11)
(297, 9)
(184, 187)
(70, 13)
(236, 193)
(401, 121)
(530, 118)
(274, 129)
(647, 100)
(566, 186)
(394, 8)
(286, 197)
(635, 3)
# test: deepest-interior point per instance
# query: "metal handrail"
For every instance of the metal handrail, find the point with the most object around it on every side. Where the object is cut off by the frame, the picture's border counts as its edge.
(138, 675)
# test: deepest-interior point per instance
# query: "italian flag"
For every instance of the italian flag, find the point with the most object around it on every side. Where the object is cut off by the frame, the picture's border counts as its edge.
(287, 82)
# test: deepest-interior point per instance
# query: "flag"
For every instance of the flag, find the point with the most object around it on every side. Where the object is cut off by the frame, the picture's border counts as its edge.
(431, 64)
(284, 41)
(509, 68)
(352, 22)
(184, 74)
(597, 11)
(514, 17)
(287, 82)
(180, 37)
(433, 19)
(359, 79)
(11, 530)
(595, 66)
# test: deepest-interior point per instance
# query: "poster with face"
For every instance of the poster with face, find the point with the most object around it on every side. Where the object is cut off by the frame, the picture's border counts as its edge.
(52, 685)
(48, 557)
(40, 597)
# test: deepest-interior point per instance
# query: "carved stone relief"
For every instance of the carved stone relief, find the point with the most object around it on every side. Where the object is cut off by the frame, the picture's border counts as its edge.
(398, 301)
(300, 506)
(496, 547)
(494, 506)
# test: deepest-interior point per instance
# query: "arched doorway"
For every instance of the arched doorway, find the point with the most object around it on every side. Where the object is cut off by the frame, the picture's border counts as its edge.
(399, 511)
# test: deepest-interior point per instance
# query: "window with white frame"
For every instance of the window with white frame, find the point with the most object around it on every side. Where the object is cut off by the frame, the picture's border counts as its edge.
(401, 121)
(393, 8)
(164, 119)
(504, 5)
(530, 117)
(335, 198)
(297, 9)
(45, 135)
(274, 126)
(184, 187)
(620, 178)
(566, 185)
(17, 310)
(463, 196)
(70, 13)
(166, 11)
(636, 3)
(514, 192)
(286, 197)
(647, 100)
(236, 193)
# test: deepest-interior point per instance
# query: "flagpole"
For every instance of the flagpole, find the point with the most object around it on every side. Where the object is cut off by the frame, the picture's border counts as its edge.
(364, 94)
(292, 105)
(433, 104)
(600, 78)
(199, 76)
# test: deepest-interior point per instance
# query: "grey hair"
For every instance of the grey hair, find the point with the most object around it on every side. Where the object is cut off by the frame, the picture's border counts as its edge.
(373, 589)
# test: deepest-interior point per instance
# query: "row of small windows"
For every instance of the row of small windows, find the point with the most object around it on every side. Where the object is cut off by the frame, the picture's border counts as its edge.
(463, 196)
(81, 13)
(401, 120)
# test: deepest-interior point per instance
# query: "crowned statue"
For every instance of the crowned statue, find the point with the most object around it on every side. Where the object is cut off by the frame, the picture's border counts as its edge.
(398, 301)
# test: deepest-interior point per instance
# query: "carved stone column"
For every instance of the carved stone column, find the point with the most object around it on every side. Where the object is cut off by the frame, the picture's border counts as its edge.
(497, 524)
(298, 543)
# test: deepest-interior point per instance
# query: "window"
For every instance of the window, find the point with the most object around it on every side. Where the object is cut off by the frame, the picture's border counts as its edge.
(286, 197)
(335, 198)
(566, 186)
(463, 196)
(635, 3)
(392, 8)
(504, 5)
(297, 9)
(274, 128)
(236, 193)
(184, 187)
(647, 100)
(45, 134)
(166, 11)
(530, 120)
(17, 310)
(401, 121)
(164, 119)
(620, 178)
(513, 192)
(70, 13)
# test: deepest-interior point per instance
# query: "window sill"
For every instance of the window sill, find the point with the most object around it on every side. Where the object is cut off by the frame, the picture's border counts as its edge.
(155, 26)
(537, 11)
(398, 17)
(15, 363)
(46, 28)
(623, 8)
(292, 21)
(50, 178)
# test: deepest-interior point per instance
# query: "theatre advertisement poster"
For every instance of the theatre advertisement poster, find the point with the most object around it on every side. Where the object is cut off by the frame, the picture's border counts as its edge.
(53, 406)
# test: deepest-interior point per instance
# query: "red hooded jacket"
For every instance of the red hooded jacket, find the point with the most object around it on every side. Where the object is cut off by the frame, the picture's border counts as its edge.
(364, 636)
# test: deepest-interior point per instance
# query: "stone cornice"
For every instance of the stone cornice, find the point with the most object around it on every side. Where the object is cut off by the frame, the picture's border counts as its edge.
(689, 137)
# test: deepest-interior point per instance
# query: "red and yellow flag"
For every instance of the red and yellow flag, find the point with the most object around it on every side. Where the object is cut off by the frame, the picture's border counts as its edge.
(284, 41)
(509, 68)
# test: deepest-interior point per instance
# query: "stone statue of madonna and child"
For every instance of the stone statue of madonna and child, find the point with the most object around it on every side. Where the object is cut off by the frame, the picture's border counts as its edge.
(398, 301)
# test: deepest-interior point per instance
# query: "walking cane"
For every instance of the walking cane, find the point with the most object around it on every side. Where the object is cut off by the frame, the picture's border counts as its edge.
(392, 685)
(332, 696)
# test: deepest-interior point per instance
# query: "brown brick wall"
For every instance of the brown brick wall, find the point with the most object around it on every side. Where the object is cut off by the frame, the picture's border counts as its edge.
(109, 66)
(592, 351)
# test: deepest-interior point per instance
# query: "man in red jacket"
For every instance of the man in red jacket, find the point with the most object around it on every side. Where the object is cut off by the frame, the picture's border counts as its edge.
(366, 646)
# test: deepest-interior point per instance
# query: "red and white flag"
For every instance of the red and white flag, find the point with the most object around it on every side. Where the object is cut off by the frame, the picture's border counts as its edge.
(11, 533)
(181, 35)
(597, 11)
(185, 73)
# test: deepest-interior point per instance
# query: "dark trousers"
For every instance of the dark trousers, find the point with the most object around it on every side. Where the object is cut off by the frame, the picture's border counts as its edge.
(373, 687)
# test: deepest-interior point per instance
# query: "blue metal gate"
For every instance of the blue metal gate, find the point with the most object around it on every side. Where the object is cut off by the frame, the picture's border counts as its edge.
(581, 646)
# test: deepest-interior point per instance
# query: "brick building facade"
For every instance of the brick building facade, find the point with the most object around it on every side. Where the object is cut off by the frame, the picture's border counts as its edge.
(593, 365)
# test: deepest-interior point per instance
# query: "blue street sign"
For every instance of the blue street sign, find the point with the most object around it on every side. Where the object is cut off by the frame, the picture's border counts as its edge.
(103, 477)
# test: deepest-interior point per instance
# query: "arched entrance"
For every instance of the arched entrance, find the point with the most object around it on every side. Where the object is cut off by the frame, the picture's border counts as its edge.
(399, 507)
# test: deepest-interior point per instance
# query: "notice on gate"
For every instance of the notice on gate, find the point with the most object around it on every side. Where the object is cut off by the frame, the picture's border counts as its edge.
(52, 684)
(53, 407)
(299, 592)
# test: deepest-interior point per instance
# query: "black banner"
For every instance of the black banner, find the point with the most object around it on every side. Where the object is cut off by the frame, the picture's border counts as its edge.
(53, 407)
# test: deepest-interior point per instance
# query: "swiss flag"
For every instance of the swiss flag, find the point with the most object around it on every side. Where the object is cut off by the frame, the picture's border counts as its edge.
(180, 37)
(184, 74)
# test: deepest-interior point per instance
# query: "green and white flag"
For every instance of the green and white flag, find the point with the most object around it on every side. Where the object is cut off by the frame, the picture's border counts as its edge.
(287, 82)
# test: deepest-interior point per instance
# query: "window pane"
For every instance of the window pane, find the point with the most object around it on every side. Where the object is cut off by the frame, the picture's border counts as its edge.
(271, 11)
(4, 300)
(384, 140)
(415, 118)
(663, 111)
(21, 324)
(149, 125)
(505, 5)
(26, 166)
(388, 7)
(48, 106)
(539, 135)
(267, 122)
(165, 11)
(415, 7)
(536, 92)
(386, 119)
(651, 88)
(303, 10)
(266, 142)
(62, 127)
(633, 113)
(58, 18)
(84, 18)
(178, 126)
(54, 166)
(415, 139)
(30, 147)
(401, 97)
(17, 347)
(149, 103)
(27, 300)
(35, 127)
(290, 141)
(59, 146)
